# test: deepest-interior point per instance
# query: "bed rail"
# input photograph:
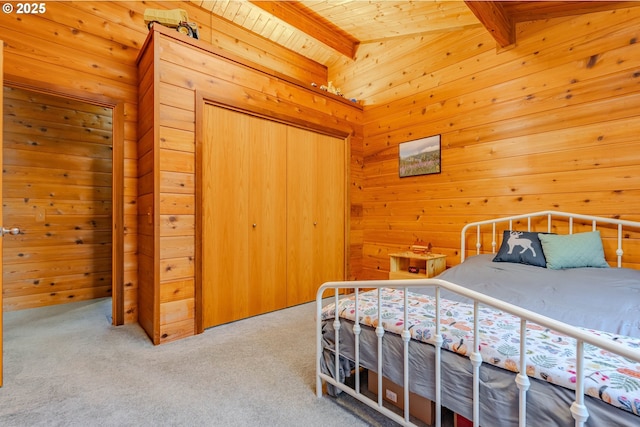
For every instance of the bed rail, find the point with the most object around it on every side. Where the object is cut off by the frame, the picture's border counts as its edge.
(577, 408)
(552, 217)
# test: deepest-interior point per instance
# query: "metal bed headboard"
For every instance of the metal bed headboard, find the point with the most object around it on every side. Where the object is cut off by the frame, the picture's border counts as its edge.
(565, 217)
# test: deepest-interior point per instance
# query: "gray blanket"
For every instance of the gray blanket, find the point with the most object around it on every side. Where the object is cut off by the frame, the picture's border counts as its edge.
(606, 299)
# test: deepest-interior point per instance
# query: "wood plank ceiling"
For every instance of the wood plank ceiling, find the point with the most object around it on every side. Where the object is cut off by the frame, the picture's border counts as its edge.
(367, 38)
(327, 31)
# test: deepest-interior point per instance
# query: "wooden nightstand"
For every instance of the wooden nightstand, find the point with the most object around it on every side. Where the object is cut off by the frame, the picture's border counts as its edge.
(428, 265)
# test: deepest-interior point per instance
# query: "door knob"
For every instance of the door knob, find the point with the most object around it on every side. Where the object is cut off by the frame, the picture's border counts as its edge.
(14, 231)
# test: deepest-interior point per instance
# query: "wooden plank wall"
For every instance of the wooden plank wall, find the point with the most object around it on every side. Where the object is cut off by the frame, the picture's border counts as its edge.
(550, 123)
(88, 50)
(57, 189)
(147, 186)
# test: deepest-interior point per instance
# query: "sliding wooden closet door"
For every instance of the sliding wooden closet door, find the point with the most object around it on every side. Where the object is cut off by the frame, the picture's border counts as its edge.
(243, 224)
(302, 171)
(330, 210)
(225, 209)
(267, 216)
(315, 211)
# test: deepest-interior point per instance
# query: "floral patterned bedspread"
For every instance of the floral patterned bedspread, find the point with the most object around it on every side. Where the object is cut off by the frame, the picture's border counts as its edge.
(551, 356)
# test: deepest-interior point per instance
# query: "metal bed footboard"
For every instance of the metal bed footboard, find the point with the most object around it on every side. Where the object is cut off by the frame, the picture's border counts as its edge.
(578, 409)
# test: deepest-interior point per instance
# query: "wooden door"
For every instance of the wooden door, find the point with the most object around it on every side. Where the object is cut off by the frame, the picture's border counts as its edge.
(315, 212)
(330, 210)
(302, 170)
(225, 209)
(268, 203)
(243, 224)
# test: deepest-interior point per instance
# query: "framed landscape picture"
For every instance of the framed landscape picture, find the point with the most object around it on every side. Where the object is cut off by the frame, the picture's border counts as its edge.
(419, 157)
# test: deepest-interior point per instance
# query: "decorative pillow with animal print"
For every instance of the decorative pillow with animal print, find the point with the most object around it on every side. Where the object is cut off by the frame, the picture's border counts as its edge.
(522, 247)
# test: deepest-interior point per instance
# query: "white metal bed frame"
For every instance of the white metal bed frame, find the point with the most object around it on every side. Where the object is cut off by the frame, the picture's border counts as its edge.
(550, 216)
(578, 409)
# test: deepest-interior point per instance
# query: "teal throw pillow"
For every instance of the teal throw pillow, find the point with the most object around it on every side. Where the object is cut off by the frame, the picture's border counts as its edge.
(573, 250)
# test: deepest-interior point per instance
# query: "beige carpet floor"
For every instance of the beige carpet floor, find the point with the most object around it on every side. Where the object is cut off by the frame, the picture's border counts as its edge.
(68, 366)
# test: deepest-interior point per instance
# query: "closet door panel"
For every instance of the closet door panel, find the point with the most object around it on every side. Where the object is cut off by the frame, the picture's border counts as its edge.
(273, 215)
(244, 216)
(330, 209)
(301, 172)
(268, 220)
(225, 200)
(315, 211)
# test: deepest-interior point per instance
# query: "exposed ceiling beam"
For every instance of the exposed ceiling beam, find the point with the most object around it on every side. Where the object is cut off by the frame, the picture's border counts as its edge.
(521, 11)
(500, 17)
(296, 15)
(492, 15)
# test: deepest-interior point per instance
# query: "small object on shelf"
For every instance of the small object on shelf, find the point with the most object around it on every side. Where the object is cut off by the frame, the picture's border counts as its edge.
(413, 269)
(421, 247)
(174, 18)
(329, 87)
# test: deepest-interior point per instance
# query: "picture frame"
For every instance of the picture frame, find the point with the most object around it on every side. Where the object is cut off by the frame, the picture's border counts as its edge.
(420, 157)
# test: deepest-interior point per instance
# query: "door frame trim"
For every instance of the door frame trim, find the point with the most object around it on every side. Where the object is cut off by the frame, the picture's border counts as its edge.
(117, 177)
